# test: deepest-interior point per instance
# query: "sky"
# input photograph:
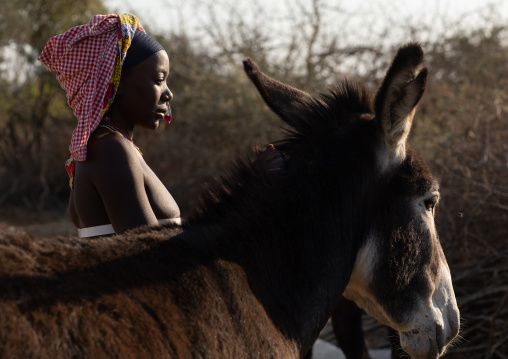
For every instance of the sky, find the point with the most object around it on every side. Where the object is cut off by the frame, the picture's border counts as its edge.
(360, 18)
(167, 15)
(352, 22)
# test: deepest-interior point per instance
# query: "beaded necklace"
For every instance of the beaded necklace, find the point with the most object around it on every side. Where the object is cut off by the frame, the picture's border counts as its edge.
(116, 129)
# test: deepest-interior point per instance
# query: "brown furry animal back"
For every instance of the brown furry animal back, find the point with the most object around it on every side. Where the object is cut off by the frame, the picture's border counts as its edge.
(51, 294)
(145, 294)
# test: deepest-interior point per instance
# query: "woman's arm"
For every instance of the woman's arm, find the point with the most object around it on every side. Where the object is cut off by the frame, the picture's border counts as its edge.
(119, 179)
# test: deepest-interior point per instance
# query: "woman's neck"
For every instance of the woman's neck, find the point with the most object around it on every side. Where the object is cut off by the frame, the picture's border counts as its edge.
(115, 119)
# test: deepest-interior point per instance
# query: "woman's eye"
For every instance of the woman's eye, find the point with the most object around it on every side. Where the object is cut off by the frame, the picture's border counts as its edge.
(159, 81)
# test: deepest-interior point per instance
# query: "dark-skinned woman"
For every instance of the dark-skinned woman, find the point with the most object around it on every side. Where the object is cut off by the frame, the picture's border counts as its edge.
(115, 78)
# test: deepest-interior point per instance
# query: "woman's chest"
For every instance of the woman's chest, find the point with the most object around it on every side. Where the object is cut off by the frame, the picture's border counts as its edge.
(161, 201)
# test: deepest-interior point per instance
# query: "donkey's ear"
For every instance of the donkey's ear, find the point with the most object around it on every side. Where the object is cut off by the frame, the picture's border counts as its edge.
(396, 99)
(284, 100)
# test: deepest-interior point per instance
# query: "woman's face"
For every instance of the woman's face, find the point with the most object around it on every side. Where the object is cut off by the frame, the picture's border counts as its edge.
(143, 92)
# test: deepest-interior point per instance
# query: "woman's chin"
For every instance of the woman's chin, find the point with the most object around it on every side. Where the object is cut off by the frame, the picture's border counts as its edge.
(153, 125)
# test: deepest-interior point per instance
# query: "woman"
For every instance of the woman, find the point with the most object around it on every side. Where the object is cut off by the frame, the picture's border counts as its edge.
(115, 77)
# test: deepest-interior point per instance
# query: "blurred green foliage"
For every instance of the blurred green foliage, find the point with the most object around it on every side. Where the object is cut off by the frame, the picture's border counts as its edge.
(35, 121)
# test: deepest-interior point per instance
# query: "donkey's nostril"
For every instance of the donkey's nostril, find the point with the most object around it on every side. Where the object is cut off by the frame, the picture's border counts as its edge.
(440, 340)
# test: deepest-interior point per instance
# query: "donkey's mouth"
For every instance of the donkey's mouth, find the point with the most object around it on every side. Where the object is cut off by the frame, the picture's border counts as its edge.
(440, 339)
(428, 340)
(420, 344)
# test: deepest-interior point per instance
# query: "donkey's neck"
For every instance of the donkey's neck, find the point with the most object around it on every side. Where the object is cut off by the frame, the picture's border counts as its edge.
(296, 266)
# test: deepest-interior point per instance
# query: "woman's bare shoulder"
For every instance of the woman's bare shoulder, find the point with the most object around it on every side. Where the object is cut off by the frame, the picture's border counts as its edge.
(110, 154)
(107, 146)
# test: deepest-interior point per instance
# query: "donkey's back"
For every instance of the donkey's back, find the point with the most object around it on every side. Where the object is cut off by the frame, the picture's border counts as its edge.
(142, 294)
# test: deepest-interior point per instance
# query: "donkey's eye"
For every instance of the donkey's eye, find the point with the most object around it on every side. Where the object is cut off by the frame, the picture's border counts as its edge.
(431, 203)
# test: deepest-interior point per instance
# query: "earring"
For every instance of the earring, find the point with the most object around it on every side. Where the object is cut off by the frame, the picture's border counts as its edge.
(167, 115)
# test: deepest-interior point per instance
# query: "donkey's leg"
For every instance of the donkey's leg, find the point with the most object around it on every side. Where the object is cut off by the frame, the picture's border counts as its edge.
(347, 325)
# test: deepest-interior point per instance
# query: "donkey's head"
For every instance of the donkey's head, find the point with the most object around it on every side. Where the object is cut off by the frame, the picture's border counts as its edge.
(400, 275)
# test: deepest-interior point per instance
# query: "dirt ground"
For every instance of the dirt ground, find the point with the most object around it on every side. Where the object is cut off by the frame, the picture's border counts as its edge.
(37, 224)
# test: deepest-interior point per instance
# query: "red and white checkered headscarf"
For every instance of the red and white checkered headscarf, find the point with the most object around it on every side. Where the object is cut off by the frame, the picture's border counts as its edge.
(88, 60)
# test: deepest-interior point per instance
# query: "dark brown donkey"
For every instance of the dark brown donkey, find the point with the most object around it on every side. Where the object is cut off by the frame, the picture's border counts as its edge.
(258, 272)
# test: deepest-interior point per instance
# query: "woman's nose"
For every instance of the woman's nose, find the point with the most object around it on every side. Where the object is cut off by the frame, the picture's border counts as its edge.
(167, 95)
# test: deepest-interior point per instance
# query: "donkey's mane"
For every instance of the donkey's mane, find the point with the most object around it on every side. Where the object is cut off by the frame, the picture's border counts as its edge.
(244, 186)
(346, 98)
(344, 102)
(241, 183)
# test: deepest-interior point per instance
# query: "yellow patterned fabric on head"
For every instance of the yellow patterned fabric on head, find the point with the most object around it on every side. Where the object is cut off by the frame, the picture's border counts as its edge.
(128, 26)
(88, 62)
(84, 58)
